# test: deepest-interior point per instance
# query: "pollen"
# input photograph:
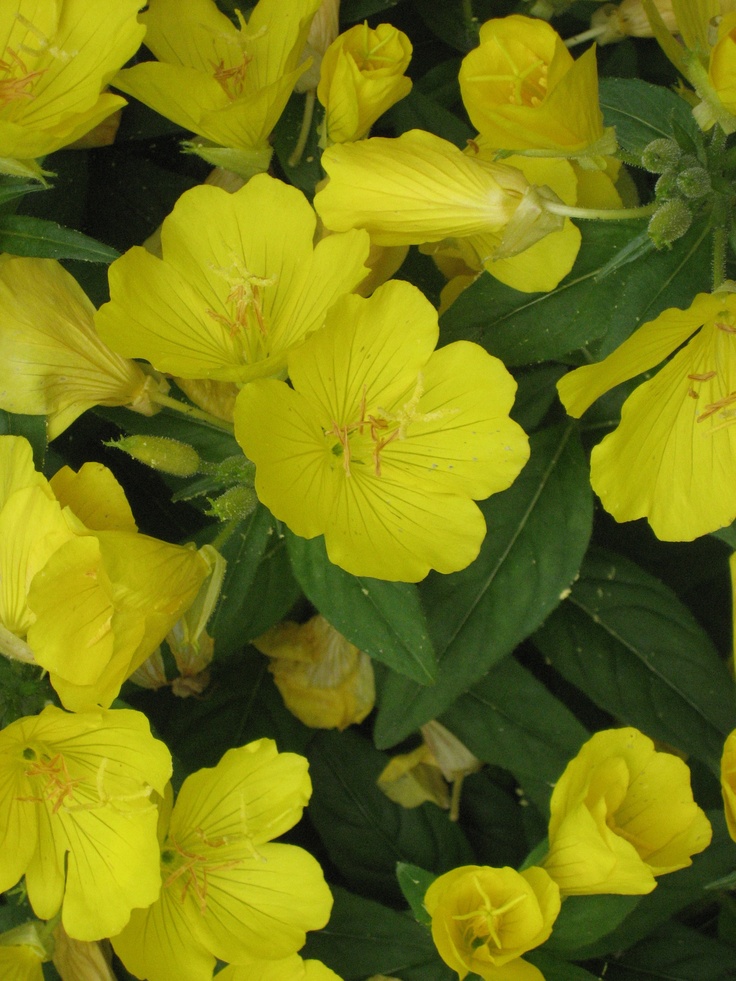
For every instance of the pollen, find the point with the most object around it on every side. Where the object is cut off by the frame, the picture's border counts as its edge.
(59, 786)
(246, 296)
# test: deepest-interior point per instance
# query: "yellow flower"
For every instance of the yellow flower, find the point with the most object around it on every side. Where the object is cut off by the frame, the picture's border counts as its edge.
(229, 304)
(227, 891)
(80, 960)
(621, 814)
(324, 680)
(289, 969)
(54, 363)
(420, 188)
(227, 84)
(523, 90)
(382, 445)
(672, 458)
(362, 76)
(72, 544)
(728, 782)
(77, 815)
(484, 919)
(57, 57)
(19, 962)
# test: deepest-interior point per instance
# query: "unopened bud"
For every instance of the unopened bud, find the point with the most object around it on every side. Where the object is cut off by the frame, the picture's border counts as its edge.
(161, 453)
(694, 182)
(669, 223)
(235, 503)
(660, 155)
(666, 186)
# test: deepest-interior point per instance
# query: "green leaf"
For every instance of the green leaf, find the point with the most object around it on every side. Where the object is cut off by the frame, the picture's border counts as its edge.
(23, 235)
(32, 428)
(538, 533)
(554, 969)
(511, 720)
(363, 832)
(525, 328)
(414, 883)
(420, 111)
(364, 938)
(626, 640)
(11, 189)
(585, 919)
(384, 619)
(675, 952)
(641, 112)
(307, 171)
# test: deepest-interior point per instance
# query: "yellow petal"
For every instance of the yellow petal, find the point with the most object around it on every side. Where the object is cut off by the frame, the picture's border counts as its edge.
(95, 497)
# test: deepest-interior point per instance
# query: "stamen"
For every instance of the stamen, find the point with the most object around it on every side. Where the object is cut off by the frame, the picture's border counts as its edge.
(196, 867)
(246, 293)
(59, 786)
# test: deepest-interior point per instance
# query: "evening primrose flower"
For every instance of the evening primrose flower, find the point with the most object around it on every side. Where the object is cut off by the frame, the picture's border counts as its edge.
(362, 76)
(227, 84)
(382, 445)
(419, 188)
(77, 816)
(621, 814)
(676, 434)
(56, 59)
(324, 680)
(484, 919)
(228, 304)
(728, 782)
(23, 949)
(54, 363)
(72, 543)
(229, 892)
(523, 90)
(289, 969)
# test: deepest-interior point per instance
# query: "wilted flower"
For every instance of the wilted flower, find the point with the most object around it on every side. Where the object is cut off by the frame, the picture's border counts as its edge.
(484, 919)
(54, 363)
(382, 445)
(523, 90)
(672, 458)
(362, 76)
(227, 84)
(229, 304)
(56, 60)
(324, 680)
(621, 814)
(77, 815)
(227, 891)
(611, 22)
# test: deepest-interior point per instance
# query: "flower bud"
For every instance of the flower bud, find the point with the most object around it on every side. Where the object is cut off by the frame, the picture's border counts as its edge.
(694, 182)
(235, 504)
(161, 453)
(669, 223)
(362, 76)
(660, 155)
(80, 960)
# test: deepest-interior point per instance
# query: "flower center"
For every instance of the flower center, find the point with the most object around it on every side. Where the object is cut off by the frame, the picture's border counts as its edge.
(371, 56)
(192, 866)
(722, 407)
(521, 85)
(482, 925)
(245, 297)
(231, 77)
(58, 785)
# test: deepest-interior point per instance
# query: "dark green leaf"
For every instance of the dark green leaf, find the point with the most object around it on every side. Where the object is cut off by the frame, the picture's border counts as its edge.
(641, 113)
(585, 919)
(538, 531)
(625, 639)
(511, 720)
(13, 188)
(384, 619)
(557, 970)
(364, 938)
(525, 328)
(675, 952)
(306, 172)
(364, 833)
(32, 428)
(419, 111)
(414, 883)
(450, 20)
(23, 235)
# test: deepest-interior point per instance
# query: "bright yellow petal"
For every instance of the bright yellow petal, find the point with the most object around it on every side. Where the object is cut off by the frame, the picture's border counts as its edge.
(538, 269)
(672, 457)
(196, 35)
(646, 347)
(17, 470)
(20, 963)
(95, 497)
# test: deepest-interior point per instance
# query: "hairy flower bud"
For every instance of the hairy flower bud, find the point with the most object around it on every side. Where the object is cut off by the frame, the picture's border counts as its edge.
(669, 223)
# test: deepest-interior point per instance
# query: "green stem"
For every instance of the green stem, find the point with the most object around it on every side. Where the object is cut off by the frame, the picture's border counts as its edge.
(296, 156)
(589, 35)
(225, 533)
(190, 410)
(604, 214)
(719, 255)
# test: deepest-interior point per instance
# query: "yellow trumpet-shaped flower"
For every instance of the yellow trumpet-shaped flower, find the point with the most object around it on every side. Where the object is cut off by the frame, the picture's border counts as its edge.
(362, 76)
(227, 890)
(672, 458)
(621, 814)
(524, 91)
(77, 816)
(382, 445)
(56, 57)
(72, 544)
(420, 188)
(227, 84)
(54, 363)
(324, 680)
(484, 919)
(228, 304)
